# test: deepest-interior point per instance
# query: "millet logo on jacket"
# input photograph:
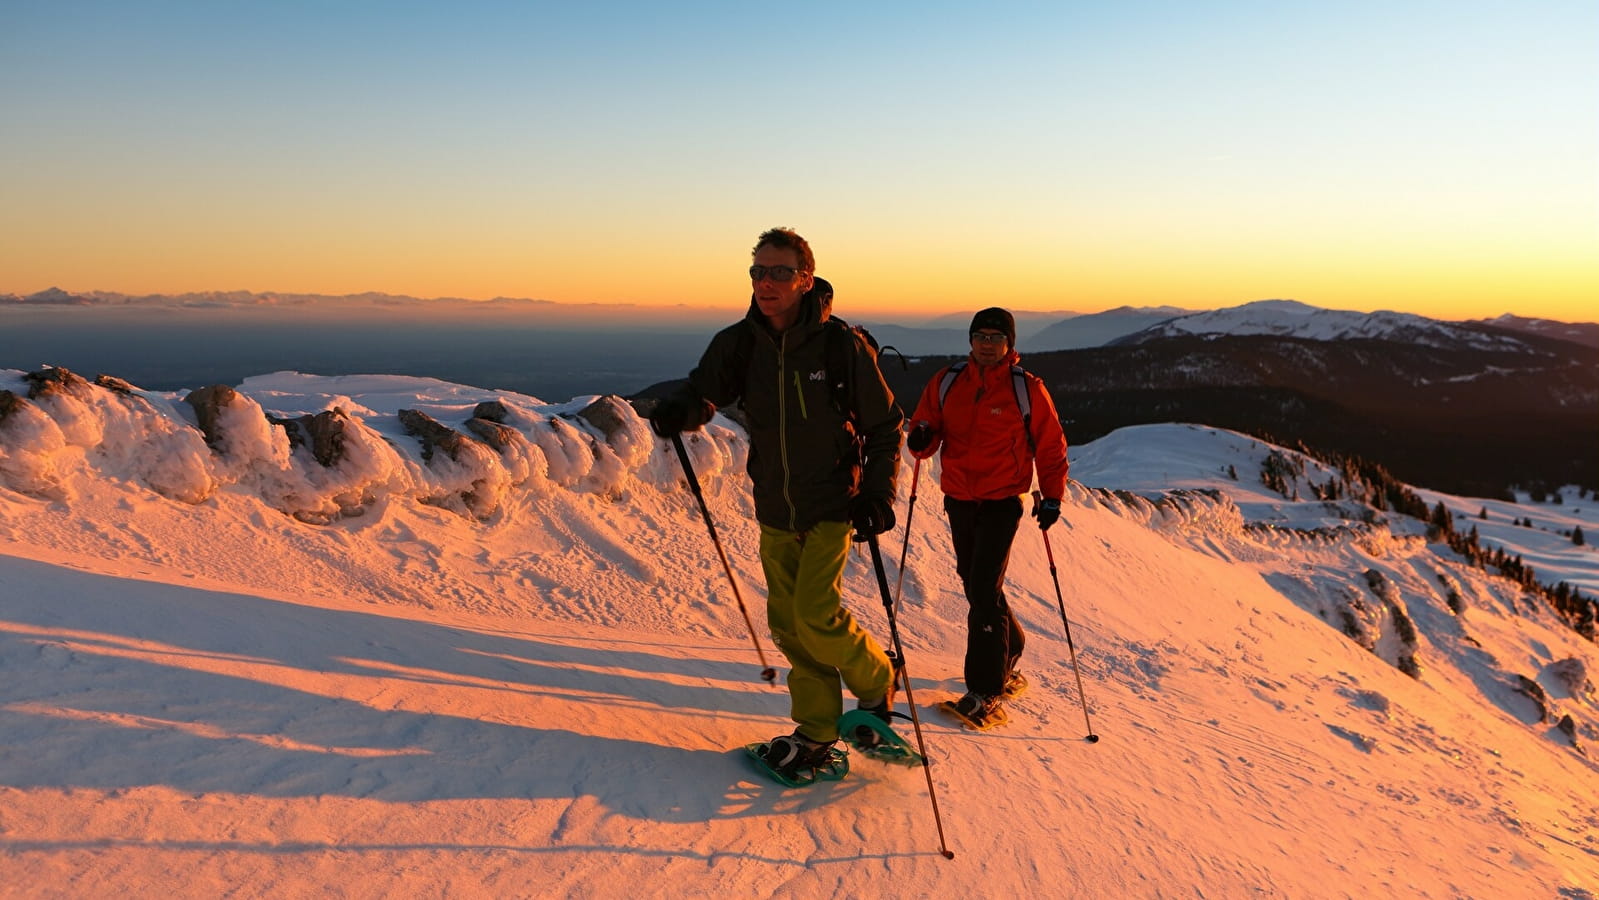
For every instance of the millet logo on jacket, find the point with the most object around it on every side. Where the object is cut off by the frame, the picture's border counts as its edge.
(819, 375)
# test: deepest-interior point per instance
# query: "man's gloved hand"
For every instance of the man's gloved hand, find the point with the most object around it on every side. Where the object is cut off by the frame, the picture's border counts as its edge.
(920, 440)
(669, 416)
(673, 415)
(1047, 512)
(871, 515)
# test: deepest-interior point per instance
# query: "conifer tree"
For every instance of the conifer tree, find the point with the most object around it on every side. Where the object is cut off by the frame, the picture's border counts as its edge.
(1442, 520)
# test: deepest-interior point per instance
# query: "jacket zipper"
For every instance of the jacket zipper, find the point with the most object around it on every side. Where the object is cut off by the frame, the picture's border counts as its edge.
(1021, 460)
(799, 391)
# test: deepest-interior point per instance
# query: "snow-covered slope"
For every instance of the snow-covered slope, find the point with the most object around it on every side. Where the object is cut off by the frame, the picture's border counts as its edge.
(203, 695)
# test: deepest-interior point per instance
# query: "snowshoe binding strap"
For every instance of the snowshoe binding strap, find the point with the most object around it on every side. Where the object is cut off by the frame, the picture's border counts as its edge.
(872, 736)
(822, 763)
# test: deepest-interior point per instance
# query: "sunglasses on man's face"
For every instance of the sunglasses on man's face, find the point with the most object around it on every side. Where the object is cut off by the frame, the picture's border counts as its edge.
(984, 337)
(774, 274)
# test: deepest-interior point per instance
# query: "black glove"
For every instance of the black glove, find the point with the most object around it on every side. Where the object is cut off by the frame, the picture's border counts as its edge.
(1047, 512)
(920, 438)
(673, 415)
(871, 515)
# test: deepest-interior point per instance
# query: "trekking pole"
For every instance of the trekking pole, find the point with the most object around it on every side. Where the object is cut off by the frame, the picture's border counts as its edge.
(910, 699)
(899, 582)
(1092, 737)
(767, 672)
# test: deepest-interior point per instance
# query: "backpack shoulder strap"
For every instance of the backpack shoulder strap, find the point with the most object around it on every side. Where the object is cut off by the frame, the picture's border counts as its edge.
(840, 356)
(950, 375)
(1018, 380)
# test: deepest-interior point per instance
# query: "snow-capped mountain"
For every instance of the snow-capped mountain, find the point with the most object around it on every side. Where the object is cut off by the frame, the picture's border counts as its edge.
(1476, 416)
(1290, 318)
(1467, 407)
(1586, 333)
(1096, 329)
(515, 669)
(946, 335)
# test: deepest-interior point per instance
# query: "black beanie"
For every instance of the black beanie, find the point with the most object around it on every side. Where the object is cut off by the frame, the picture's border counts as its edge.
(995, 319)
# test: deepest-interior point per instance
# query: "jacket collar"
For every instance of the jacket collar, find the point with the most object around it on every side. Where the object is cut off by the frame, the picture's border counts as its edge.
(1010, 358)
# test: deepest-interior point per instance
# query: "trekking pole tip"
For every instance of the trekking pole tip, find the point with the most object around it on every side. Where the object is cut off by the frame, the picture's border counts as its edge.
(948, 854)
(770, 674)
(1093, 738)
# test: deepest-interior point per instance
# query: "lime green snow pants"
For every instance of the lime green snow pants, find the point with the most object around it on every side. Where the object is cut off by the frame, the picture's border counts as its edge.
(824, 646)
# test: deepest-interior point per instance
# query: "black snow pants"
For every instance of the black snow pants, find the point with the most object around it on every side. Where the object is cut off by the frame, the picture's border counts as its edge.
(983, 531)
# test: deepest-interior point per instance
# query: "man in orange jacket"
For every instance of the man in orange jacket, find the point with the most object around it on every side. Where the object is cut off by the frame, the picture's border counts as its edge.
(995, 423)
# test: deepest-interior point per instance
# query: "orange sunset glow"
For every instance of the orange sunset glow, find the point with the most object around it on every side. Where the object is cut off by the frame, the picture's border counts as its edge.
(1060, 160)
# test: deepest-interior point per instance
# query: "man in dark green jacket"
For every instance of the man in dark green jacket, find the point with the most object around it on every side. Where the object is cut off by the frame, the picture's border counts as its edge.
(817, 470)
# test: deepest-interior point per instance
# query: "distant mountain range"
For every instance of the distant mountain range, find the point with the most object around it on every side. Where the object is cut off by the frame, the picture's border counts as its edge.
(205, 299)
(329, 308)
(1577, 332)
(1283, 318)
(1036, 330)
(1469, 407)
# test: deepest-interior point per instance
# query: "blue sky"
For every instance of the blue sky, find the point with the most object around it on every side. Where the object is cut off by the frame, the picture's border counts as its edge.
(1420, 156)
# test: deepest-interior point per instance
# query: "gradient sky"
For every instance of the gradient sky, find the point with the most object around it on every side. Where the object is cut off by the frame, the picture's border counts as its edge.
(1434, 157)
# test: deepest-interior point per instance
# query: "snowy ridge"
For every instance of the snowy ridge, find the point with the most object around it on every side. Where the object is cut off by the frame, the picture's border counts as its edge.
(92, 431)
(1098, 329)
(1290, 318)
(408, 692)
(1576, 332)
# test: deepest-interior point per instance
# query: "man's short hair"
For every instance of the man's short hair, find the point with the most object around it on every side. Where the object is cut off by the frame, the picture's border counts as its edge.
(787, 239)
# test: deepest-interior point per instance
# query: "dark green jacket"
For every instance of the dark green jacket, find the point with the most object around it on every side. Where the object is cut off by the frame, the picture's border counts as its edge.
(803, 460)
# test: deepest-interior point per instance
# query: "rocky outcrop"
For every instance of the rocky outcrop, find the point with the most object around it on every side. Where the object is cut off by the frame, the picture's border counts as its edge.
(55, 380)
(208, 403)
(322, 432)
(1534, 692)
(9, 403)
(436, 437)
(1404, 628)
(1568, 727)
(610, 414)
(441, 442)
(116, 385)
(492, 410)
(500, 437)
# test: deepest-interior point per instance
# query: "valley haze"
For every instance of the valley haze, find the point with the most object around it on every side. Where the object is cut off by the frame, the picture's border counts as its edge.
(537, 347)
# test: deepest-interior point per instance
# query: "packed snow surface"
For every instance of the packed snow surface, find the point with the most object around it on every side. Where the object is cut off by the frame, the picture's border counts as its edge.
(229, 670)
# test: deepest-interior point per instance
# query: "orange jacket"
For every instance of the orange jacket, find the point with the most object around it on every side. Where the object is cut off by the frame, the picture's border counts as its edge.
(979, 427)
